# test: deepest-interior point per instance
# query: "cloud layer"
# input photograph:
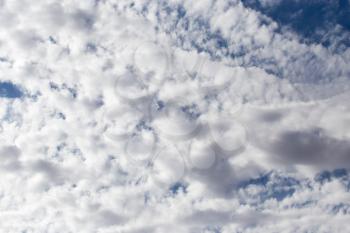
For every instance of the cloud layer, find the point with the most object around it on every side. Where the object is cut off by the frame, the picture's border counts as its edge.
(176, 116)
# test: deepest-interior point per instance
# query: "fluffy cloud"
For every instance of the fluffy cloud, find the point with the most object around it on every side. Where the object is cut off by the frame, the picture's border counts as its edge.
(177, 116)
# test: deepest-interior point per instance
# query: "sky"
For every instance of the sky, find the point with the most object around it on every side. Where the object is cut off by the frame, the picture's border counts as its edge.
(153, 116)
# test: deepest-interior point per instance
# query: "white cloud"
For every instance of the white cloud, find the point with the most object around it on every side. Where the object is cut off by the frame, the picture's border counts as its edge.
(148, 116)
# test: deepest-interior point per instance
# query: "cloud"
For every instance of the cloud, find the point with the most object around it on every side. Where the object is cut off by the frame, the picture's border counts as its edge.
(311, 148)
(176, 116)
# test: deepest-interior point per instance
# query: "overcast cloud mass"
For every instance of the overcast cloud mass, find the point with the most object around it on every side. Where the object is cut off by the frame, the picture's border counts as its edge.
(177, 116)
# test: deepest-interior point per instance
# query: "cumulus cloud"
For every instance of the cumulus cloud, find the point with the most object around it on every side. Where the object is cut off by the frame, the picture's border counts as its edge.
(177, 116)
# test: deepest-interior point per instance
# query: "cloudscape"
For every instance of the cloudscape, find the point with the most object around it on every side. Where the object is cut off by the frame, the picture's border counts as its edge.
(174, 116)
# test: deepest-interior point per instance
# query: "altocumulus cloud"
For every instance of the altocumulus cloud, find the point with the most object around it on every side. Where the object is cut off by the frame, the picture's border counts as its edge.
(174, 116)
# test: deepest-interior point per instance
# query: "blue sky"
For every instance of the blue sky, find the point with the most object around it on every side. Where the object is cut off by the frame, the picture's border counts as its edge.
(174, 116)
(313, 20)
(9, 90)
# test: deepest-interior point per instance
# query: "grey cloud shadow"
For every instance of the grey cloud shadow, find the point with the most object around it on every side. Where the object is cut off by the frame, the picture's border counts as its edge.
(83, 20)
(271, 116)
(107, 218)
(209, 217)
(310, 147)
(219, 179)
(219, 218)
(47, 168)
(9, 156)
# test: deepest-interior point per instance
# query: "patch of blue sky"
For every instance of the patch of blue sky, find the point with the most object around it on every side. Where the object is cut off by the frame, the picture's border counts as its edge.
(191, 111)
(73, 91)
(274, 186)
(277, 186)
(340, 174)
(327, 176)
(178, 187)
(10, 90)
(312, 20)
(193, 31)
(268, 177)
